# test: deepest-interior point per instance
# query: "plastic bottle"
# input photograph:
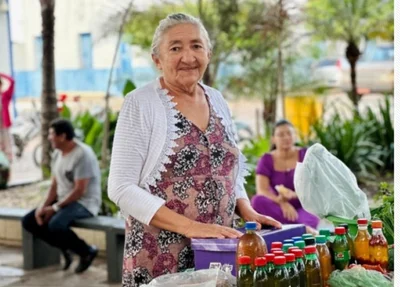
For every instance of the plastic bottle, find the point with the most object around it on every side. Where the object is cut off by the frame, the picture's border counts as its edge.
(305, 235)
(270, 267)
(292, 270)
(281, 275)
(278, 253)
(350, 241)
(329, 243)
(297, 238)
(300, 244)
(361, 242)
(291, 241)
(341, 249)
(251, 244)
(312, 268)
(310, 241)
(324, 259)
(378, 247)
(286, 247)
(276, 244)
(260, 278)
(300, 266)
(245, 274)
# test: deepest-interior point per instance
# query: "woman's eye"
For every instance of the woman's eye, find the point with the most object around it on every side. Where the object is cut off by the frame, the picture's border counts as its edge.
(198, 46)
(175, 49)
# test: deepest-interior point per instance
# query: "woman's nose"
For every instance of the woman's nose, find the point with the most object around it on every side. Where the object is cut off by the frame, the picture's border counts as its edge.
(188, 56)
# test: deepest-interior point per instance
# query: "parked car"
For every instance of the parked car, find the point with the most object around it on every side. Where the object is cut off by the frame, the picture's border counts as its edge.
(328, 73)
(374, 70)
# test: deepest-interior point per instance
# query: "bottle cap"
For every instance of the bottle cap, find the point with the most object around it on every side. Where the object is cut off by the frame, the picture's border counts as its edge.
(362, 221)
(340, 230)
(376, 224)
(244, 260)
(288, 241)
(320, 239)
(260, 261)
(286, 246)
(275, 249)
(297, 238)
(345, 225)
(292, 248)
(250, 225)
(290, 257)
(276, 244)
(300, 244)
(310, 249)
(269, 257)
(306, 235)
(278, 253)
(325, 232)
(298, 253)
(309, 241)
(280, 260)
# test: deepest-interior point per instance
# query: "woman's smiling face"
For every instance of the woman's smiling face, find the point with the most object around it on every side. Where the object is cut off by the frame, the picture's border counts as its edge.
(183, 55)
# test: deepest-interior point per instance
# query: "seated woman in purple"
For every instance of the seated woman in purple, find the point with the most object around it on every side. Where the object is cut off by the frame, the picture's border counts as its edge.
(274, 180)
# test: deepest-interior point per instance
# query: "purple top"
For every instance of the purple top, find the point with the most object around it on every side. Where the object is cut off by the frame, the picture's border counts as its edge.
(265, 167)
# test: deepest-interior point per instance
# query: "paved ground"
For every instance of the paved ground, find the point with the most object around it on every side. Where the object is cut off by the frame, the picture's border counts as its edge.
(12, 274)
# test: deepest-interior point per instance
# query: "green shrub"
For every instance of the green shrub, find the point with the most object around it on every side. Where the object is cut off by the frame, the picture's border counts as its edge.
(383, 134)
(351, 140)
(253, 152)
(385, 211)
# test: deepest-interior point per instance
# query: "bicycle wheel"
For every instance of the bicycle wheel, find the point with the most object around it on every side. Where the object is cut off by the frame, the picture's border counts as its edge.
(37, 155)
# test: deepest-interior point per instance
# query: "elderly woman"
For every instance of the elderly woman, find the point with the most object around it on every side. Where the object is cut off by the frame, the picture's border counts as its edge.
(176, 171)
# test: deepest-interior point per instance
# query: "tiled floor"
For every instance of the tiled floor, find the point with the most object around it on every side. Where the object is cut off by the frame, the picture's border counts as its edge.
(12, 274)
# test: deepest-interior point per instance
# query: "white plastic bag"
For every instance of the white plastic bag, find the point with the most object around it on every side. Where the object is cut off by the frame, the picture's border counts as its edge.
(326, 186)
(200, 278)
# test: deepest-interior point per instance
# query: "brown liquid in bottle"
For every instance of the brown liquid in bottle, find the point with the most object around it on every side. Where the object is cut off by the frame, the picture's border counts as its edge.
(251, 244)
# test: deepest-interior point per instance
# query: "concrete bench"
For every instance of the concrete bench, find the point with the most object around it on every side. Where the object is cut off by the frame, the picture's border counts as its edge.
(38, 254)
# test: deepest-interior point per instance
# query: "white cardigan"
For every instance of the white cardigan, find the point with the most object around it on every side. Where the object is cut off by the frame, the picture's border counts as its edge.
(143, 141)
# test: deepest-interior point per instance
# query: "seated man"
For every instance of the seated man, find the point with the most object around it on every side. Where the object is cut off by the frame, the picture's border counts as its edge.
(74, 193)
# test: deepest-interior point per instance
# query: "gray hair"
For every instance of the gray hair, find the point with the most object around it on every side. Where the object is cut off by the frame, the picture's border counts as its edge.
(173, 20)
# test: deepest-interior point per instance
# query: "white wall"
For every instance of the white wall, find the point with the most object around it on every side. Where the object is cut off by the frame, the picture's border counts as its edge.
(4, 45)
(72, 17)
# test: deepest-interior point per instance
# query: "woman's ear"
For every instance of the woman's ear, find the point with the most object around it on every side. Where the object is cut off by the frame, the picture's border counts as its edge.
(156, 61)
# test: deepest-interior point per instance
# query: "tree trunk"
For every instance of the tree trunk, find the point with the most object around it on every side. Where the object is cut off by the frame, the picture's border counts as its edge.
(106, 128)
(352, 54)
(280, 101)
(48, 97)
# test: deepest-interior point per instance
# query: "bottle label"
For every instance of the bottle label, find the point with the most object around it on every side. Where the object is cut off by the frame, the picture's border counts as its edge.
(342, 255)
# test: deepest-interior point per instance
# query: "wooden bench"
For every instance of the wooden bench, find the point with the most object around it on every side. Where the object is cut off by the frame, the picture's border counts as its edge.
(38, 254)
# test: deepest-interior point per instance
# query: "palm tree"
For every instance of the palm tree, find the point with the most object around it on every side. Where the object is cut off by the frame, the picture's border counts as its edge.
(48, 97)
(350, 21)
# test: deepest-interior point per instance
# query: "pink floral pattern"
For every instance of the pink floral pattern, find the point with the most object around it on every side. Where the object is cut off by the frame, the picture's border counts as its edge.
(199, 184)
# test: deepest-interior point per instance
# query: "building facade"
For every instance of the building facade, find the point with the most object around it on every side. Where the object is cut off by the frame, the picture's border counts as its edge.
(82, 61)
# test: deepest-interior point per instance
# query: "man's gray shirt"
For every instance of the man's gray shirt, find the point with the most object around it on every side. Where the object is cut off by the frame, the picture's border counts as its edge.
(80, 163)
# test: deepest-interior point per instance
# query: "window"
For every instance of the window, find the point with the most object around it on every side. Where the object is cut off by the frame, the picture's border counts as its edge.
(86, 50)
(38, 46)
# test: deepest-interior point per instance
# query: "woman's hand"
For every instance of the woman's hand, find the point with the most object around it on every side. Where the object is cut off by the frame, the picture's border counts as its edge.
(204, 230)
(289, 212)
(246, 211)
(285, 193)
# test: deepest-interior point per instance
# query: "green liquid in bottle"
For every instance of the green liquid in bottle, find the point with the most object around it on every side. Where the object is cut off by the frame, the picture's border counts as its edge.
(281, 275)
(312, 268)
(245, 274)
(341, 249)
